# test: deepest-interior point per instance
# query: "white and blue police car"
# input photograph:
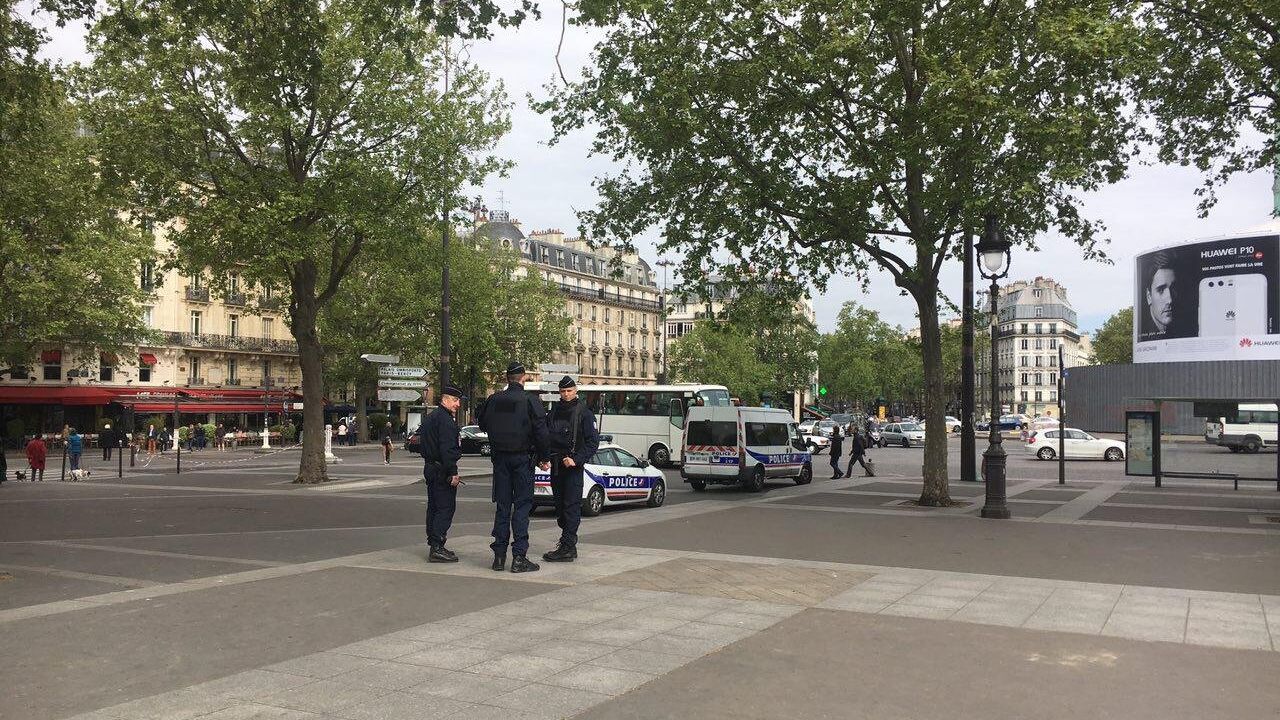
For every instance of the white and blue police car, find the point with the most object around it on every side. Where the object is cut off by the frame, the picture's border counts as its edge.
(612, 477)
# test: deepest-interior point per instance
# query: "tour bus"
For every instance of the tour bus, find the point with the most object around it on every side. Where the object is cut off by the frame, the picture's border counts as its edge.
(645, 420)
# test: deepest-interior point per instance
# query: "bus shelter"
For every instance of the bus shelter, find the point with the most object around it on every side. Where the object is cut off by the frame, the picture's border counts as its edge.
(1237, 439)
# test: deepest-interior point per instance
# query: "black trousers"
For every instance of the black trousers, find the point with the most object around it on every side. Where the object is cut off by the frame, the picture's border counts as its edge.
(835, 464)
(442, 501)
(513, 493)
(861, 459)
(566, 487)
(106, 452)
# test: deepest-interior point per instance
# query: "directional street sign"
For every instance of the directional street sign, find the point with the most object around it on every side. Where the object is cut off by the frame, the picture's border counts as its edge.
(401, 371)
(399, 396)
(408, 384)
(561, 369)
(385, 359)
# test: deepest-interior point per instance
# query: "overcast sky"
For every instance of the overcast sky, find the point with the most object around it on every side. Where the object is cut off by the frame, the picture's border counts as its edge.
(1154, 206)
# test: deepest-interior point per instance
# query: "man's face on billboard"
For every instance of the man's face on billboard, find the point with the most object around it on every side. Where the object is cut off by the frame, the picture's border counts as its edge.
(1160, 295)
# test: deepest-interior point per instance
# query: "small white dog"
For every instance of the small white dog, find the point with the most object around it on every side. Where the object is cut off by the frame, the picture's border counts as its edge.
(78, 475)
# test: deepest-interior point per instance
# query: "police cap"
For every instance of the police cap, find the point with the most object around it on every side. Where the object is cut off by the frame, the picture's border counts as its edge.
(567, 382)
(451, 390)
(515, 368)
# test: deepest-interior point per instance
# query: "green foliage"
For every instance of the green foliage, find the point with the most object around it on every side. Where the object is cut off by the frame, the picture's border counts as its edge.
(721, 354)
(1212, 85)
(68, 261)
(280, 139)
(865, 357)
(393, 305)
(1113, 343)
(378, 423)
(783, 345)
(834, 136)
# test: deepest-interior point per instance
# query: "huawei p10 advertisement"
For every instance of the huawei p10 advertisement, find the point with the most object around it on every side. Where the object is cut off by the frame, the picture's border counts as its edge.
(1211, 300)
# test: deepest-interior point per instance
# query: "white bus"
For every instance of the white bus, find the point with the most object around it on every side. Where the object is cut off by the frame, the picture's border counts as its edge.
(645, 420)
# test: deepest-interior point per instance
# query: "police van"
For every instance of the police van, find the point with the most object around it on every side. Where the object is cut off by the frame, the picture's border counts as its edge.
(743, 446)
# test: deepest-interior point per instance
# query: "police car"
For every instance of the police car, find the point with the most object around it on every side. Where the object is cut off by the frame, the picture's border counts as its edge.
(613, 477)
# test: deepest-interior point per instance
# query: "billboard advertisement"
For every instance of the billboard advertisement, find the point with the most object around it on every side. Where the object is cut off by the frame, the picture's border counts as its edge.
(1209, 300)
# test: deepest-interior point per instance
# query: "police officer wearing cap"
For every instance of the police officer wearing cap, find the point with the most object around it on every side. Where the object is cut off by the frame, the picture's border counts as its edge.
(441, 449)
(574, 439)
(517, 428)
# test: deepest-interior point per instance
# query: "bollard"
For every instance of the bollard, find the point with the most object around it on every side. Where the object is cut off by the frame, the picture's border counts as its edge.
(63, 478)
(133, 455)
(120, 463)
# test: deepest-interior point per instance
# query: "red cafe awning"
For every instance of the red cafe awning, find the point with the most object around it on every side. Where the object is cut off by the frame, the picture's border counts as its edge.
(51, 356)
(197, 407)
(147, 359)
(38, 395)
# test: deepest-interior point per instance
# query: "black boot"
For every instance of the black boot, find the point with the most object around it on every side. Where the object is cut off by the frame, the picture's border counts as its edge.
(440, 555)
(499, 562)
(562, 553)
(522, 564)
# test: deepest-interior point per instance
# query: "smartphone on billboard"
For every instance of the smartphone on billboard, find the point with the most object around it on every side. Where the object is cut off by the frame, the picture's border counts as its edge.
(1233, 305)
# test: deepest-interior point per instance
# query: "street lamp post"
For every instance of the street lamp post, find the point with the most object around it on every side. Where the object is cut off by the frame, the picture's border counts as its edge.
(662, 319)
(993, 248)
(266, 412)
(968, 442)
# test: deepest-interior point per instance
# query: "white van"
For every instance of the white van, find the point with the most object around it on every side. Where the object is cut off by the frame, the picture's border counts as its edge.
(1249, 428)
(743, 445)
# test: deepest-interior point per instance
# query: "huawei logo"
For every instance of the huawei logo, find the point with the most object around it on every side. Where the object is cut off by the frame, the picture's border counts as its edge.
(1246, 342)
(1231, 314)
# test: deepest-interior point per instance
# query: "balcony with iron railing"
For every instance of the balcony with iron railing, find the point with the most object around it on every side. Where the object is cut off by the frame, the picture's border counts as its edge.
(235, 298)
(209, 341)
(605, 296)
(197, 294)
(270, 303)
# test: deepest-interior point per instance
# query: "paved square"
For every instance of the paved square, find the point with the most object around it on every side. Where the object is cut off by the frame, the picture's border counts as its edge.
(741, 581)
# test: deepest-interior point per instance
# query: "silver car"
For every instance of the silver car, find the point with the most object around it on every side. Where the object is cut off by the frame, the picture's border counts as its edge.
(902, 433)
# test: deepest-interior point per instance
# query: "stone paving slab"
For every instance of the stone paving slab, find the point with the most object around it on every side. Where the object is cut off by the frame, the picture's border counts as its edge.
(575, 647)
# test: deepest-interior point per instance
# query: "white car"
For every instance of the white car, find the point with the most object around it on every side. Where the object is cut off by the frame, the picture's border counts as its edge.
(613, 477)
(1076, 445)
(816, 442)
(904, 433)
(952, 424)
(806, 427)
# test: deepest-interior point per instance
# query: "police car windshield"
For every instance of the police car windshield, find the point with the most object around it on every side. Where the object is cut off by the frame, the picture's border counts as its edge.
(715, 398)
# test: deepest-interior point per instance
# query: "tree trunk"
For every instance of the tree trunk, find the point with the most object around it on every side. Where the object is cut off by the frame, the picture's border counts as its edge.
(935, 492)
(311, 468)
(362, 413)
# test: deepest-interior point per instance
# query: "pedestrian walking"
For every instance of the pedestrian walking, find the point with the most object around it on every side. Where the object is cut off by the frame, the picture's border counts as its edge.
(219, 438)
(517, 428)
(201, 436)
(837, 449)
(573, 441)
(151, 439)
(386, 444)
(36, 454)
(75, 446)
(857, 453)
(441, 448)
(163, 439)
(342, 433)
(107, 439)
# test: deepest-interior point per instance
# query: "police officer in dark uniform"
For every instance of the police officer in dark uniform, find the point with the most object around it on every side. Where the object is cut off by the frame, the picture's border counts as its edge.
(574, 439)
(441, 449)
(517, 428)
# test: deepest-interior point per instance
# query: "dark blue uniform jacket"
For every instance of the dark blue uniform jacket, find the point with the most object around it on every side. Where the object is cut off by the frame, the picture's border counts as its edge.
(515, 422)
(438, 438)
(579, 443)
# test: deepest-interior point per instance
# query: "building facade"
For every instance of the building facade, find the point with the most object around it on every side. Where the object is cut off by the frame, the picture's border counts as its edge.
(1035, 319)
(230, 354)
(615, 318)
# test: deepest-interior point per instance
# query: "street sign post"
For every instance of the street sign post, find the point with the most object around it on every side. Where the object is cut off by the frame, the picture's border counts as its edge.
(401, 371)
(408, 384)
(399, 395)
(383, 359)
